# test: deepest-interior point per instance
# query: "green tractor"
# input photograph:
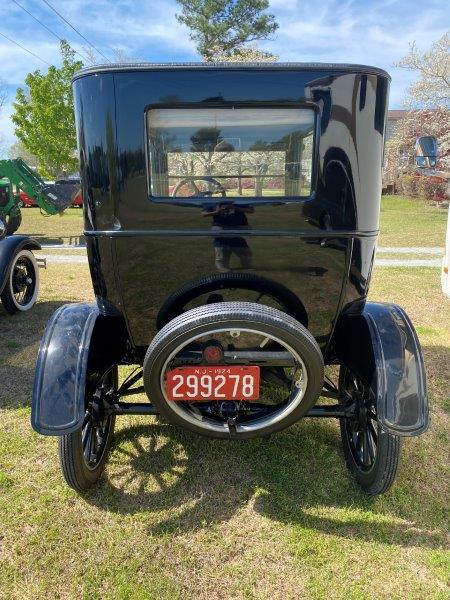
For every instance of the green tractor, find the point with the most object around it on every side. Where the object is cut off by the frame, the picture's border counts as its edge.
(16, 175)
(9, 207)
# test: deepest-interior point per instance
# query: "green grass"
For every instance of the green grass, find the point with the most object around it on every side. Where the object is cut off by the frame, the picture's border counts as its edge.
(411, 222)
(403, 222)
(180, 516)
(55, 229)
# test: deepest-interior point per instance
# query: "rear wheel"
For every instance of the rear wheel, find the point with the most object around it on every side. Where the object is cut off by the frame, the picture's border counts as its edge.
(289, 359)
(83, 454)
(22, 284)
(372, 455)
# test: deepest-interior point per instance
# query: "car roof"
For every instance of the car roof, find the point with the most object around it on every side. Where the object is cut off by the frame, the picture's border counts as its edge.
(229, 66)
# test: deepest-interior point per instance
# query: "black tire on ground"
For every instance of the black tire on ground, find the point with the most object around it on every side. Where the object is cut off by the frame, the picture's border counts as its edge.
(22, 283)
(234, 315)
(13, 223)
(372, 455)
(78, 473)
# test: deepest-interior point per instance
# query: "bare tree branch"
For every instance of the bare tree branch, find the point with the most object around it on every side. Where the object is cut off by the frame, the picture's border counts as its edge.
(3, 93)
(433, 86)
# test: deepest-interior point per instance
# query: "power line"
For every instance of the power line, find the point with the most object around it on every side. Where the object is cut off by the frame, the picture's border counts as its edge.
(75, 29)
(45, 27)
(23, 48)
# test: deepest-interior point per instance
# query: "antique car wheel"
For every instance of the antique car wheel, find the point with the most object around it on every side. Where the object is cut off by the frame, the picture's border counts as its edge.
(290, 361)
(83, 453)
(371, 454)
(22, 285)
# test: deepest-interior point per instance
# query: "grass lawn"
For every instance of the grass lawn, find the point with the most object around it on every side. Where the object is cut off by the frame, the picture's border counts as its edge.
(55, 229)
(411, 222)
(403, 222)
(180, 516)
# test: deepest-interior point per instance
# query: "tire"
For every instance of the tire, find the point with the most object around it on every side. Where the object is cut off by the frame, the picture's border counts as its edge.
(22, 283)
(252, 319)
(379, 474)
(13, 223)
(287, 300)
(80, 475)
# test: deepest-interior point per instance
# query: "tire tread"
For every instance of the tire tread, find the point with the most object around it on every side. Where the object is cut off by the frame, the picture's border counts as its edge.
(226, 312)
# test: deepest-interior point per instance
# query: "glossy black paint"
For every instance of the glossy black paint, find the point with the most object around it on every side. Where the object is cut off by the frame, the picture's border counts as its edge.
(143, 249)
(60, 377)
(9, 246)
(380, 345)
(77, 341)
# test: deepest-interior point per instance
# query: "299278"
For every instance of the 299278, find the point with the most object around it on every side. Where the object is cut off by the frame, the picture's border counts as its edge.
(215, 382)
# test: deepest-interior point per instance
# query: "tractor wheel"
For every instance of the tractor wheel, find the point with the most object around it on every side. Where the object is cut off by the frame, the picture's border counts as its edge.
(12, 223)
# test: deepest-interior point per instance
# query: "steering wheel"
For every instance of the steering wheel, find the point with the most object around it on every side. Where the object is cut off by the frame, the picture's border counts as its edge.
(218, 187)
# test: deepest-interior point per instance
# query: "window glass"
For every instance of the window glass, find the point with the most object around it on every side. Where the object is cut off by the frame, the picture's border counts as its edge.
(233, 152)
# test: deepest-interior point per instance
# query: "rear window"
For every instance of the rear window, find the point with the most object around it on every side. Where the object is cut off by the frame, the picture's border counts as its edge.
(232, 152)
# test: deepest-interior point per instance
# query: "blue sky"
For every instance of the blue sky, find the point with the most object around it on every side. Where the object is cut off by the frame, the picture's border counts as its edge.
(358, 31)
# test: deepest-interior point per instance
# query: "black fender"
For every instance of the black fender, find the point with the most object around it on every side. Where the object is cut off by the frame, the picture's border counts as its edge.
(381, 346)
(77, 335)
(9, 246)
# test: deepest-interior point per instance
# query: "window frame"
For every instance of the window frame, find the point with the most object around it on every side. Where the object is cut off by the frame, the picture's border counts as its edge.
(193, 201)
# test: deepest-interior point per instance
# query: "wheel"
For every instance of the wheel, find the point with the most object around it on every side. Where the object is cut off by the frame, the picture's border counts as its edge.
(22, 283)
(225, 287)
(83, 453)
(12, 222)
(372, 455)
(289, 359)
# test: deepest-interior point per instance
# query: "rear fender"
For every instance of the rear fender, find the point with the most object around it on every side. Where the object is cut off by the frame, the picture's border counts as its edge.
(76, 337)
(9, 247)
(381, 346)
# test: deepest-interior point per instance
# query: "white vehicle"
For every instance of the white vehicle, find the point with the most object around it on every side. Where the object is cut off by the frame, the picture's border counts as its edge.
(426, 153)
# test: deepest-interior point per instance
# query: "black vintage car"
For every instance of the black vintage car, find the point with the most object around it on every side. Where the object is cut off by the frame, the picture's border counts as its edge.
(231, 217)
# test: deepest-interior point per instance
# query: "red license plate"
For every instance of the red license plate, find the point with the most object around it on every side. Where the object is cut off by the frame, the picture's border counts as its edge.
(213, 383)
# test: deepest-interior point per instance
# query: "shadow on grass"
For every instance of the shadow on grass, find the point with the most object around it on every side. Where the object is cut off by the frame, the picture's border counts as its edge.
(20, 335)
(186, 482)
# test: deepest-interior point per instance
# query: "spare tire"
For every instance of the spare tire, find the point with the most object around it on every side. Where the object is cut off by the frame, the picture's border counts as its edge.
(281, 346)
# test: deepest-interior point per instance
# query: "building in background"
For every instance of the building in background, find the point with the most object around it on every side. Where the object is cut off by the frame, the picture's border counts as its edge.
(393, 117)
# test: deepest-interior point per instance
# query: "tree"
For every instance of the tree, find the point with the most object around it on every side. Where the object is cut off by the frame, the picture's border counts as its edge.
(3, 94)
(400, 148)
(433, 86)
(18, 150)
(243, 54)
(44, 116)
(428, 103)
(223, 27)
